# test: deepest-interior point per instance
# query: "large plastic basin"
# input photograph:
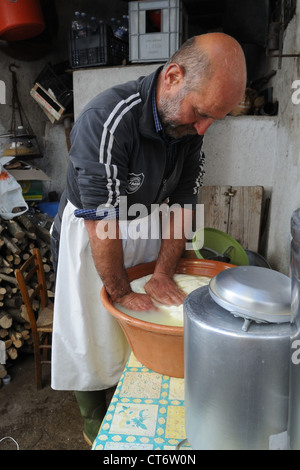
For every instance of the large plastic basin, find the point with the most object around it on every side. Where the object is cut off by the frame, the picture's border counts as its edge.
(159, 347)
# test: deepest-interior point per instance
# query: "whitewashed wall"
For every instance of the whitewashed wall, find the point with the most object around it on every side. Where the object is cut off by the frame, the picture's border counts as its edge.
(88, 84)
(240, 151)
(286, 180)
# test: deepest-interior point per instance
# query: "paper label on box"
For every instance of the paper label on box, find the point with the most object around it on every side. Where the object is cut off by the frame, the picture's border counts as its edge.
(46, 101)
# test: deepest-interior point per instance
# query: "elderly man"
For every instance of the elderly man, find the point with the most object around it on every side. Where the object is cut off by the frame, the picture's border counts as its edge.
(139, 141)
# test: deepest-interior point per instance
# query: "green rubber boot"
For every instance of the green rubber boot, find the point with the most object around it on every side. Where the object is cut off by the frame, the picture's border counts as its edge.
(92, 407)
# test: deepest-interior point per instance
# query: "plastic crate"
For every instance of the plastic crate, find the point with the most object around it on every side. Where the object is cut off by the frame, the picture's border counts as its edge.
(101, 48)
(58, 82)
(156, 43)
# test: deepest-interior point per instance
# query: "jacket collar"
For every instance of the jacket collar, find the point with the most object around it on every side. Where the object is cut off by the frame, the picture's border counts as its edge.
(147, 123)
(150, 125)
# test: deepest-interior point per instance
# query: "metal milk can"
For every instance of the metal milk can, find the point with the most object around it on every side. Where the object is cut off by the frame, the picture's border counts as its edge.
(294, 401)
(236, 349)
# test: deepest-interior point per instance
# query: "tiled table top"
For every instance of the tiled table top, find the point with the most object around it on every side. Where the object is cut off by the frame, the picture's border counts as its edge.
(146, 412)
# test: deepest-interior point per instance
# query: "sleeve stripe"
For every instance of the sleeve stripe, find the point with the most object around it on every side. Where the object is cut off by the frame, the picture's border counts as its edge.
(106, 144)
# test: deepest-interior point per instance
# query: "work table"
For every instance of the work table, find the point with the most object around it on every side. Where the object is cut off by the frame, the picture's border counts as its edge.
(145, 413)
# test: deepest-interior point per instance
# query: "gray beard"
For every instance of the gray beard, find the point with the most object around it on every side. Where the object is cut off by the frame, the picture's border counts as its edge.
(168, 110)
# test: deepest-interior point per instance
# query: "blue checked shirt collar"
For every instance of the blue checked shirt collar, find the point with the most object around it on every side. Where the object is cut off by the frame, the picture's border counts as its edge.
(158, 125)
(157, 122)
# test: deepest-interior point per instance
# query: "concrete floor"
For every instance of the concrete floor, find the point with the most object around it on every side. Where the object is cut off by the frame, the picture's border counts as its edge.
(37, 419)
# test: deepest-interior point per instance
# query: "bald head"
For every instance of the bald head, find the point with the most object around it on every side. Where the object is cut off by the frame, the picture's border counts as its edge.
(226, 60)
(221, 49)
(216, 58)
(203, 81)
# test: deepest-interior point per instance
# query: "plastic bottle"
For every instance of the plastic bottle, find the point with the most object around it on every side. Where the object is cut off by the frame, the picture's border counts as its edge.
(120, 28)
(92, 52)
(92, 26)
(100, 25)
(125, 27)
(118, 31)
(82, 32)
(76, 24)
(113, 24)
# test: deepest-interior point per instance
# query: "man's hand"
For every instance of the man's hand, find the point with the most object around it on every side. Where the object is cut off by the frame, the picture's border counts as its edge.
(137, 302)
(162, 289)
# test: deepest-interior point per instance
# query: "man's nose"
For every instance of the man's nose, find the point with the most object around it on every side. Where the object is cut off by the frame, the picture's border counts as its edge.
(202, 125)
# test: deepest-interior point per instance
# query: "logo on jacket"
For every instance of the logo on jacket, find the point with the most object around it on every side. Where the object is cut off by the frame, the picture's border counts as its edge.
(134, 182)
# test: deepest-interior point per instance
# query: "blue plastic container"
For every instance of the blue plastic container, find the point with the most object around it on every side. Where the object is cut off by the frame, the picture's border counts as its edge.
(49, 208)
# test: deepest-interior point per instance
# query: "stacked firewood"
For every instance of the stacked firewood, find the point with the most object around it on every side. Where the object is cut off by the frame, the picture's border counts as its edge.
(18, 237)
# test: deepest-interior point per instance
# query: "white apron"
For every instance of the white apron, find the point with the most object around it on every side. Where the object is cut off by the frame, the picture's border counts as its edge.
(89, 349)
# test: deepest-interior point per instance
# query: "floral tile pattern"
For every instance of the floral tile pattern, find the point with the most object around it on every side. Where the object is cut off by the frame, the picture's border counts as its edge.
(137, 384)
(133, 418)
(146, 412)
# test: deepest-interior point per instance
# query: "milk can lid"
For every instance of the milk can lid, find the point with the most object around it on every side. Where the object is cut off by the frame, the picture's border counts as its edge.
(254, 293)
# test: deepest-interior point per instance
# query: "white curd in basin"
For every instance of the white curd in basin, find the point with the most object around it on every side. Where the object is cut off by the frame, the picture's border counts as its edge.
(166, 314)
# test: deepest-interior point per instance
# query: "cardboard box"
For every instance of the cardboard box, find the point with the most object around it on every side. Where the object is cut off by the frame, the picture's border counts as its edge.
(32, 190)
(31, 182)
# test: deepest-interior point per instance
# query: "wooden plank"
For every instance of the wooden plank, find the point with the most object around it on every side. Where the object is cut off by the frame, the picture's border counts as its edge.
(245, 215)
(234, 210)
(216, 206)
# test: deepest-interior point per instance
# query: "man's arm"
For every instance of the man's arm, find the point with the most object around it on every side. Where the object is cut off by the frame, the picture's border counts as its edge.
(161, 286)
(108, 258)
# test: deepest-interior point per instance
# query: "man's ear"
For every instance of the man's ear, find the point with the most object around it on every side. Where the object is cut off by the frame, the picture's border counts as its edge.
(174, 75)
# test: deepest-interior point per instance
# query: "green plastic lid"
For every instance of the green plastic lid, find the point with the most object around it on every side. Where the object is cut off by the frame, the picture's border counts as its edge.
(210, 243)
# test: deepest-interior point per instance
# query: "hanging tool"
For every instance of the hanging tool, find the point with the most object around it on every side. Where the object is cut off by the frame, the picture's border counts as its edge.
(21, 135)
